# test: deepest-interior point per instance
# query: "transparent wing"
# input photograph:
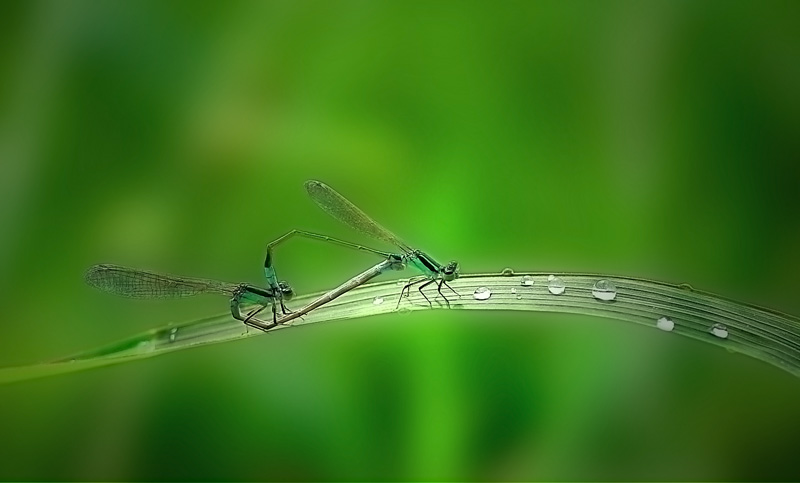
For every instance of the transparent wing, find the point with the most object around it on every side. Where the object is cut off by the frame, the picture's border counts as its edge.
(343, 210)
(130, 282)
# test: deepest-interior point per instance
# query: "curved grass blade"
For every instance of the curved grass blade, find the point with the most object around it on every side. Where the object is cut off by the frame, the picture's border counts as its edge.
(764, 334)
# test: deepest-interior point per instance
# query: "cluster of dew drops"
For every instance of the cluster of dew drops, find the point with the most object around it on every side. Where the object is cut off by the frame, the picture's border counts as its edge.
(603, 290)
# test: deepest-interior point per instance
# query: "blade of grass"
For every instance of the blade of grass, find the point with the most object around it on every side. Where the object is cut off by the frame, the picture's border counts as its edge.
(761, 333)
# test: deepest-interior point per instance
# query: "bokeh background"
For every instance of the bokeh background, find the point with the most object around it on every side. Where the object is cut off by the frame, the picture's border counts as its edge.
(651, 139)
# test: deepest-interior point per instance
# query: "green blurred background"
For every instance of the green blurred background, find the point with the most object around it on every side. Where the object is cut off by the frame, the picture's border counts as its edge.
(649, 139)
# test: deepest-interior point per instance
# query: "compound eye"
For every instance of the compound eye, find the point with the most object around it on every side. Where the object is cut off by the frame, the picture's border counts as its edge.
(451, 271)
(397, 262)
(286, 290)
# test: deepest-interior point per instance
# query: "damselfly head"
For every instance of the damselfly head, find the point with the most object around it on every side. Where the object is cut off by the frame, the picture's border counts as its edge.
(398, 262)
(450, 271)
(286, 290)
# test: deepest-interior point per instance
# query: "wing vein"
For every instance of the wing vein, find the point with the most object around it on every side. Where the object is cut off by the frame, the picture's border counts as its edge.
(346, 212)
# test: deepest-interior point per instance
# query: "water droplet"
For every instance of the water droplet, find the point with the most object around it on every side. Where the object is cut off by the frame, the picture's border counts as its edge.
(377, 300)
(686, 286)
(513, 290)
(720, 331)
(555, 285)
(666, 324)
(604, 290)
(526, 281)
(507, 272)
(172, 334)
(482, 293)
(145, 346)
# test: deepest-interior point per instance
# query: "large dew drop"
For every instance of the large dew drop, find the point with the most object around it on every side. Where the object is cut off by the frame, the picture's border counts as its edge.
(604, 290)
(482, 293)
(666, 324)
(719, 330)
(555, 285)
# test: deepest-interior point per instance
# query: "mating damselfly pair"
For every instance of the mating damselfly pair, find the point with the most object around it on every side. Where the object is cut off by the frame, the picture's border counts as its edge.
(135, 283)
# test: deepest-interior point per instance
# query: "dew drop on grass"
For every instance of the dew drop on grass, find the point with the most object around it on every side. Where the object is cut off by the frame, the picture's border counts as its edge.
(377, 300)
(173, 334)
(719, 330)
(526, 281)
(666, 324)
(604, 290)
(145, 346)
(555, 285)
(507, 272)
(482, 293)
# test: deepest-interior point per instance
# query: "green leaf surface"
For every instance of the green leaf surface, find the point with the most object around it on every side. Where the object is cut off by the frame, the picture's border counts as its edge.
(761, 333)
